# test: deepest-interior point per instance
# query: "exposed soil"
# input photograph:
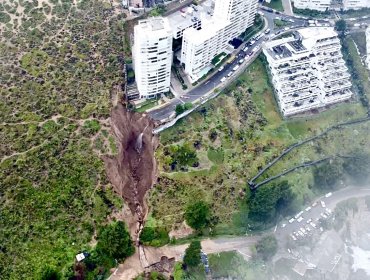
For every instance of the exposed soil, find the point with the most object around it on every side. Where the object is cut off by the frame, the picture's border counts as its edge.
(133, 170)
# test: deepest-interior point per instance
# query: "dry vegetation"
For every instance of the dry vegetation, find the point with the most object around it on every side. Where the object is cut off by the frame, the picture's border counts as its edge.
(61, 66)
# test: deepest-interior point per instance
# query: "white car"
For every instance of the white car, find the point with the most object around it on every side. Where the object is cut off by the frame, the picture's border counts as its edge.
(313, 225)
(323, 205)
(283, 225)
(223, 79)
(300, 233)
(328, 210)
(309, 221)
(221, 68)
(314, 204)
(298, 215)
(230, 73)
(291, 220)
(293, 237)
(308, 208)
(323, 215)
(236, 68)
(300, 219)
(303, 230)
(328, 195)
(308, 228)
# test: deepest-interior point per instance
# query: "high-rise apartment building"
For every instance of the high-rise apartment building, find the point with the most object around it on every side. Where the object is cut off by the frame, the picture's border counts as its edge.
(240, 13)
(199, 47)
(308, 70)
(152, 56)
(368, 47)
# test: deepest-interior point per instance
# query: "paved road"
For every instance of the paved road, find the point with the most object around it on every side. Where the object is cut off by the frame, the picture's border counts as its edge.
(315, 212)
(214, 81)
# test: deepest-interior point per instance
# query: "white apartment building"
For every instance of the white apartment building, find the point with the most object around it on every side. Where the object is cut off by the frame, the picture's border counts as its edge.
(368, 47)
(199, 47)
(152, 53)
(308, 70)
(240, 13)
(229, 20)
(355, 4)
(318, 5)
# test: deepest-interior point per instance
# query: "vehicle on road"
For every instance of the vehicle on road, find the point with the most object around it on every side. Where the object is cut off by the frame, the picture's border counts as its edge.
(328, 194)
(221, 68)
(291, 220)
(314, 204)
(303, 230)
(308, 228)
(313, 225)
(323, 205)
(230, 73)
(241, 61)
(309, 221)
(293, 237)
(236, 67)
(298, 215)
(283, 225)
(308, 208)
(300, 233)
(223, 79)
(323, 215)
(300, 219)
(267, 31)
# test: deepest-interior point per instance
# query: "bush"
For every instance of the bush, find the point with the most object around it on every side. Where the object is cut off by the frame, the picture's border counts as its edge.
(154, 236)
(115, 241)
(192, 254)
(267, 247)
(197, 215)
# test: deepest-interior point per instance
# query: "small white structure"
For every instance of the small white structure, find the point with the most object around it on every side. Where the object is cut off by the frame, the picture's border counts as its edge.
(80, 257)
(308, 71)
(355, 4)
(323, 5)
(152, 52)
(368, 47)
(318, 5)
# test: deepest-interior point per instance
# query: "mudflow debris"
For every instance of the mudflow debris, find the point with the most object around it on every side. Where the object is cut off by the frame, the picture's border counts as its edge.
(133, 170)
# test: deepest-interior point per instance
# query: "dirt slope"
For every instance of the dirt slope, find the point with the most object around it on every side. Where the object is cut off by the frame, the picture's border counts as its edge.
(133, 171)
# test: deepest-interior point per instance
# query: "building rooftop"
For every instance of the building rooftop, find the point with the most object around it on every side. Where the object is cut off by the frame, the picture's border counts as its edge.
(209, 29)
(188, 15)
(154, 24)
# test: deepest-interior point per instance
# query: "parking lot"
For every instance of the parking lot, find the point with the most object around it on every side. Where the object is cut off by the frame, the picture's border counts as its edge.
(308, 220)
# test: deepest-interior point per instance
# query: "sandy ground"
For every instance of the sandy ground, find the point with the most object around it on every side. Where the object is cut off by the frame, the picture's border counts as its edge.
(132, 266)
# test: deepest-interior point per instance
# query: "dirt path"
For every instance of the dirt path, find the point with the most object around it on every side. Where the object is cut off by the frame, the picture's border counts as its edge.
(132, 266)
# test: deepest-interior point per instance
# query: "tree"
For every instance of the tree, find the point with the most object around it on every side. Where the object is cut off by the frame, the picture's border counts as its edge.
(267, 201)
(267, 247)
(192, 254)
(179, 109)
(49, 273)
(341, 25)
(115, 241)
(327, 175)
(197, 215)
(358, 167)
(184, 155)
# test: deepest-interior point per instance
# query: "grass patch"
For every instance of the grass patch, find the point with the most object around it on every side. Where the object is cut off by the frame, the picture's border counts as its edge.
(275, 4)
(216, 155)
(233, 265)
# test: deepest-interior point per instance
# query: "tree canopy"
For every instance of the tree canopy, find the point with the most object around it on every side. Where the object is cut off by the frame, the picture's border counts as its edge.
(115, 241)
(192, 254)
(269, 200)
(327, 175)
(267, 247)
(341, 25)
(197, 215)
